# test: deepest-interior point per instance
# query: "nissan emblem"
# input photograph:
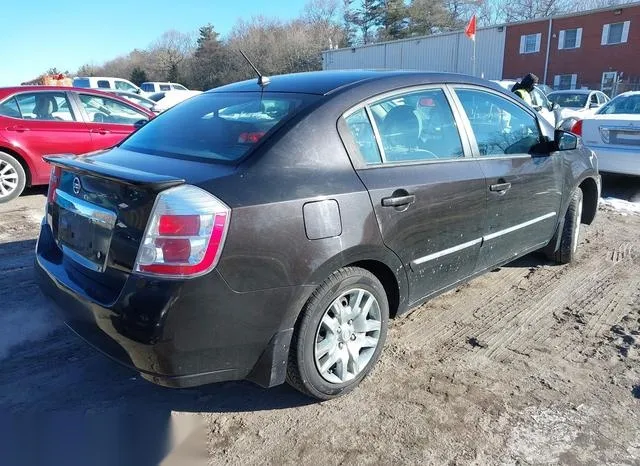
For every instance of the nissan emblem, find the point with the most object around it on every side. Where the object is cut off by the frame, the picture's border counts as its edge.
(76, 185)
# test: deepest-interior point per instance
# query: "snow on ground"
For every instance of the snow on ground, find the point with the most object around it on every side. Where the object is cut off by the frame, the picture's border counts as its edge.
(620, 205)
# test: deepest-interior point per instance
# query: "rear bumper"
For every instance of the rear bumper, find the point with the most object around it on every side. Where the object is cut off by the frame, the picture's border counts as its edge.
(175, 333)
(618, 160)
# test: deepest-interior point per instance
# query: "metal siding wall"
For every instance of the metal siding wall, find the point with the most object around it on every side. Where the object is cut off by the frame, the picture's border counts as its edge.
(446, 53)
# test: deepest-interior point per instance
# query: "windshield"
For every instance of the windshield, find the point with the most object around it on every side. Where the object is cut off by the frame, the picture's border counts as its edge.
(218, 126)
(629, 104)
(566, 99)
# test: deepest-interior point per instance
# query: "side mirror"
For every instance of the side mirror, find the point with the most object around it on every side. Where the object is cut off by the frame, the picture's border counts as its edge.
(565, 141)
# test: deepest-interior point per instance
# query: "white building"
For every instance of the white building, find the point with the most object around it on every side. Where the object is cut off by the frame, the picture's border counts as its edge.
(448, 52)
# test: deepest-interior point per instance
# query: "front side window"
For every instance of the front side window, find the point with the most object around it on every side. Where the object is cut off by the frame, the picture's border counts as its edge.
(104, 84)
(105, 110)
(147, 87)
(222, 127)
(165, 87)
(53, 106)
(530, 43)
(417, 126)
(178, 87)
(9, 108)
(501, 128)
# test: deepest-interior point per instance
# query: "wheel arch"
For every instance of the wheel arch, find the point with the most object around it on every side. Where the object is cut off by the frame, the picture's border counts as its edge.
(590, 196)
(22, 160)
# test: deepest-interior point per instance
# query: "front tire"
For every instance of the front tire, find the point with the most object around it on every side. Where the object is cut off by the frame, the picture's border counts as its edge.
(340, 334)
(12, 178)
(570, 233)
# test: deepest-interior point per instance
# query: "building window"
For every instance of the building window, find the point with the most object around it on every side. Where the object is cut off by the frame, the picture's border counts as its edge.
(570, 39)
(565, 81)
(530, 43)
(616, 33)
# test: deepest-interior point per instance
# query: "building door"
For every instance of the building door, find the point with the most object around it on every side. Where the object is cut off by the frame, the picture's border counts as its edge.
(609, 80)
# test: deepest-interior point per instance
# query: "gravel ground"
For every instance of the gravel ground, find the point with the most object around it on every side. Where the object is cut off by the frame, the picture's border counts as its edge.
(532, 363)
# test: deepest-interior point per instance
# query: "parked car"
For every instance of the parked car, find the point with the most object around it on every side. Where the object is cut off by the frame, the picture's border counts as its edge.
(540, 102)
(135, 98)
(613, 133)
(152, 87)
(94, 82)
(269, 233)
(578, 103)
(166, 100)
(40, 120)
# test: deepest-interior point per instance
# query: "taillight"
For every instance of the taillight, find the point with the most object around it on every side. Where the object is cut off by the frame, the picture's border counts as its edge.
(185, 234)
(54, 182)
(577, 128)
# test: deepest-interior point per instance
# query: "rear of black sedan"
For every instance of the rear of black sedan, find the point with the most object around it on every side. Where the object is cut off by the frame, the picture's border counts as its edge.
(231, 237)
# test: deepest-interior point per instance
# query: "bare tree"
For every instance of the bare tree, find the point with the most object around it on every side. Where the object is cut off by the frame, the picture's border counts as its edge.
(169, 51)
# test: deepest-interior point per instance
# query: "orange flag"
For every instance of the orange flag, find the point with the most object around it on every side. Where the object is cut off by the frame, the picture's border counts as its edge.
(470, 30)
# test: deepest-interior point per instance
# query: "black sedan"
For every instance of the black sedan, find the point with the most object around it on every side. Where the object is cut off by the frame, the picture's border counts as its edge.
(268, 231)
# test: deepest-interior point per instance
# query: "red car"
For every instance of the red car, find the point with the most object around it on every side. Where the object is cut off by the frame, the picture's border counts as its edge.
(40, 120)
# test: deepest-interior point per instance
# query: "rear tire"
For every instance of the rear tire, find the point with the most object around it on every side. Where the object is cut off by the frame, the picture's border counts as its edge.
(12, 178)
(570, 233)
(339, 335)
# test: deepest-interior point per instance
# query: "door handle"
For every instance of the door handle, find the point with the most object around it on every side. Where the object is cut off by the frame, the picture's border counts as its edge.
(100, 131)
(500, 187)
(19, 129)
(399, 201)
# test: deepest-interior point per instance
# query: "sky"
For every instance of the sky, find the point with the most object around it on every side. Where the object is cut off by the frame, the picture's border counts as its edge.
(40, 34)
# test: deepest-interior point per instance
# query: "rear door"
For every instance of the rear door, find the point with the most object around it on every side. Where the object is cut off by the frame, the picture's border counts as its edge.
(524, 187)
(109, 120)
(48, 123)
(428, 194)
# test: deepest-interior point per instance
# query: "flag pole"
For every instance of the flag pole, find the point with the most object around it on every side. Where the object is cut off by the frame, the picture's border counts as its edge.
(474, 56)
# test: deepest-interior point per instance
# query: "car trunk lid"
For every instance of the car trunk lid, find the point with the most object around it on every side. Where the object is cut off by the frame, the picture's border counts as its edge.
(616, 130)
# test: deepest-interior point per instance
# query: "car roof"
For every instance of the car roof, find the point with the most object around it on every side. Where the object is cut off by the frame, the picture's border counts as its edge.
(325, 82)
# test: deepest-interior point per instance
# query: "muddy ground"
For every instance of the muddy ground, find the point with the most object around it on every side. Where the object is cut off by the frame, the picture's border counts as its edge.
(532, 363)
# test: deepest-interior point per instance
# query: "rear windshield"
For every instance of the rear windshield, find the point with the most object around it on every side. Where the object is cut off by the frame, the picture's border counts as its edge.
(81, 82)
(576, 100)
(629, 104)
(217, 126)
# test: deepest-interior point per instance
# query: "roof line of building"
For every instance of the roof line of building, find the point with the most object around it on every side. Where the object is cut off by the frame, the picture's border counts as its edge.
(495, 26)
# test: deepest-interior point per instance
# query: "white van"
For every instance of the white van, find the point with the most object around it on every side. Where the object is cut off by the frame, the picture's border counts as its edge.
(151, 87)
(96, 82)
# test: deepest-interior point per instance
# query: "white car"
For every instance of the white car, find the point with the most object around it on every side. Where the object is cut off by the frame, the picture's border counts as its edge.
(153, 87)
(541, 104)
(578, 103)
(166, 100)
(106, 83)
(613, 133)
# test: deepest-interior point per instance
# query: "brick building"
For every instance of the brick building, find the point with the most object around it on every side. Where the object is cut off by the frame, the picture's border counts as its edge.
(596, 49)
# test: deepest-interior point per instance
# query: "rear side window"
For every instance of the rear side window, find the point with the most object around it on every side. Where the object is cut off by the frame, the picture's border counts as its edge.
(362, 132)
(217, 126)
(10, 108)
(102, 84)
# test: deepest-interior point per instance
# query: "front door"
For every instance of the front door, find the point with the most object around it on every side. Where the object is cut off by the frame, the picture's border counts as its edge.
(428, 194)
(109, 120)
(609, 81)
(524, 188)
